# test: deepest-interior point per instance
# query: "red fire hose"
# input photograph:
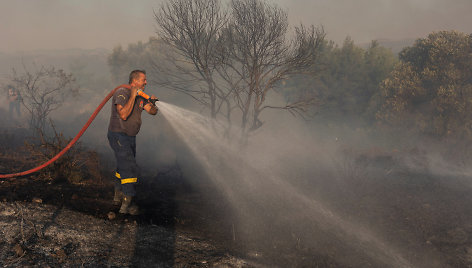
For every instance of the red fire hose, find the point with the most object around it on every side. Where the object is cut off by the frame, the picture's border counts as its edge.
(71, 143)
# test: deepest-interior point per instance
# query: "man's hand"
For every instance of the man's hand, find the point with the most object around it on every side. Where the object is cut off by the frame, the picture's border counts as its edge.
(150, 107)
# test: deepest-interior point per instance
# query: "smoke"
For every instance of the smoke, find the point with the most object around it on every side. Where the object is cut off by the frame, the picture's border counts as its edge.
(298, 188)
(54, 24)
(367, 20)
(271, 188)
(303, 187)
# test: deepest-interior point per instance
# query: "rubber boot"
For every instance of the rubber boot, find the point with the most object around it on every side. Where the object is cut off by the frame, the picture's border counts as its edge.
(127, 207)
(117, 197)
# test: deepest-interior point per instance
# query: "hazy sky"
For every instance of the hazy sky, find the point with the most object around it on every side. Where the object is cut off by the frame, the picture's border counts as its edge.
(52, 24)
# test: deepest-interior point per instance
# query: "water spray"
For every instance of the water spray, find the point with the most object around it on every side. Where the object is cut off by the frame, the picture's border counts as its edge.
(252, 185)
(81, 132)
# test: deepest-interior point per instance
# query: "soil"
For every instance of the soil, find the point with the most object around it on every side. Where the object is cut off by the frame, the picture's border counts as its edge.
(59, 224)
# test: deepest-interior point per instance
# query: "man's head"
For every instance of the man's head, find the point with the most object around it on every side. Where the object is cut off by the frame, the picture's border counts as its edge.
(138, 78)
(10, 88)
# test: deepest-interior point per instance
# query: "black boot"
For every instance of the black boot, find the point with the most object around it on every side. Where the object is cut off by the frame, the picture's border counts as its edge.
(127, 207)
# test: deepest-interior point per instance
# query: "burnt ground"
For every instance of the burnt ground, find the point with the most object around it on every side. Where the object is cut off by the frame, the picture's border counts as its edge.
(47, 223)
(58, 224)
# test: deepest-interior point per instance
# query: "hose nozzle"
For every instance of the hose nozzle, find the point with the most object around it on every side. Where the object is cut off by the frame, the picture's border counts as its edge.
(147, 97)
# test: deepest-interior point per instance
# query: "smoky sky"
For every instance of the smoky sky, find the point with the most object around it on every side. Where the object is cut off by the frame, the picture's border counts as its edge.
(57, 24)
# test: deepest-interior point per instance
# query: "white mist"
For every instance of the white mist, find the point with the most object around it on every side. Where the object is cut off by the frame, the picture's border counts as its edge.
(257, 183)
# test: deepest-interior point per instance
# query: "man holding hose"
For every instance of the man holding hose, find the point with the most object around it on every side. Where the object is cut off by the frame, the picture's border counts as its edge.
(125, 122)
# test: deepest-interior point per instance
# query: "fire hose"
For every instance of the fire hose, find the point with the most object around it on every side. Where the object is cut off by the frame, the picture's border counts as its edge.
(81, 132)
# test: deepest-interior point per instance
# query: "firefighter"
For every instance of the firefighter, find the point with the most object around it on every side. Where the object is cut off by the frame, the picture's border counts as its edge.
(125, 122)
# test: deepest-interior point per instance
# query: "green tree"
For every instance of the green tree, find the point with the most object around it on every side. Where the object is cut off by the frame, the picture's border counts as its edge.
(430, 92)
(379, 63)
(347, 81)
(140, 55)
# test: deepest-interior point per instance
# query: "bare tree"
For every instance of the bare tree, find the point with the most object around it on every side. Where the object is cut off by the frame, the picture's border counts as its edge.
(43, 91)
(192, 29)
(262, 56)
(241, 55)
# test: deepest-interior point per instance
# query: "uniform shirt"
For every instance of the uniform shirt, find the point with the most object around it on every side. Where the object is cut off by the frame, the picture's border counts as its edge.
(131, 125)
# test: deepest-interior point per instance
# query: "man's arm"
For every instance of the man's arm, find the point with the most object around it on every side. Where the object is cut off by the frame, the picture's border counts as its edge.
(125, 111)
